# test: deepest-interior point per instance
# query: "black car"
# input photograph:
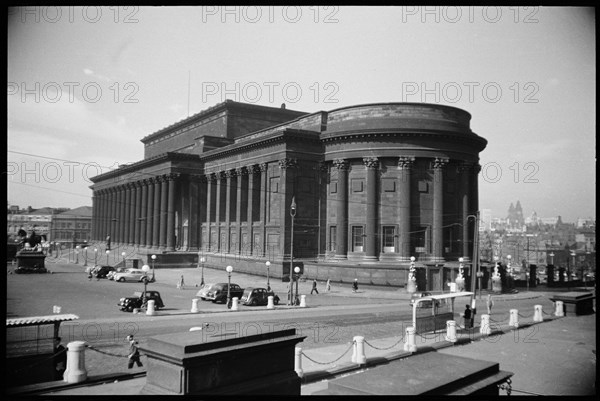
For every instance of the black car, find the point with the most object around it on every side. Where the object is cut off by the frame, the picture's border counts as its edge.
(128, 304)
(103, 271)
(258, 296)
(218, 292)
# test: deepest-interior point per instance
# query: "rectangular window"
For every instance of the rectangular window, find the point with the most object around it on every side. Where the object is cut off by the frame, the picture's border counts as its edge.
(357, 238)
(332, 238)
(389, 240)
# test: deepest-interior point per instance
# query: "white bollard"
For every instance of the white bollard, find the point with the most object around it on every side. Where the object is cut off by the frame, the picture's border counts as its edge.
(194, 306)
(270, 303)
(560, 309)
(298, 361)
(361, 359)
(303, 301)
(514, 318)
(196, 328)
(537, 313)
(451, 331)
(150, 308)
(353, 359)
(75, 371)
(234, 303)
(485, 328)
(410, 343)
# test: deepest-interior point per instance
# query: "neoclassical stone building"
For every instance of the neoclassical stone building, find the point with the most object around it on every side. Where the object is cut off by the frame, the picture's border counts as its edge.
(373, 185)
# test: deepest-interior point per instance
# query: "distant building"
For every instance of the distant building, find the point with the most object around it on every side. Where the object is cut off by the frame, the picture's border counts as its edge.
(586, 223)
(37, 219)
(74, 225)
(485, 220)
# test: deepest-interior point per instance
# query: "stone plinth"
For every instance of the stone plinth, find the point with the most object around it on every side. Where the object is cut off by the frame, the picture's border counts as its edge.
(430, 373)
(198, 363)
(577, 303)
(30, 262)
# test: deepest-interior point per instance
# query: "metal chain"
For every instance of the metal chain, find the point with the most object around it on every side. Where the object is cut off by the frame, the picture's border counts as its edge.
(547, 314)
(334, 361)
(110, 354)
(425, 337)
(385, 348)
(497, 321)
(524, 317)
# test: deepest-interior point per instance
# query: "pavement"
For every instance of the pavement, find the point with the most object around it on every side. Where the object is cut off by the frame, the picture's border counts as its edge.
(553, 357)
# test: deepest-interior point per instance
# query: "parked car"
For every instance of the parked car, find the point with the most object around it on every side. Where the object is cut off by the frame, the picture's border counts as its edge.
(218, 292)
(204, 291)
(128, 304)
(258, 296)
(130, 275)
(103, 271)
(425, 303)
(111, 274)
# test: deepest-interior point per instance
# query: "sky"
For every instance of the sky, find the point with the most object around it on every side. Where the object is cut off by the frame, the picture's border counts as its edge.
(86, 84)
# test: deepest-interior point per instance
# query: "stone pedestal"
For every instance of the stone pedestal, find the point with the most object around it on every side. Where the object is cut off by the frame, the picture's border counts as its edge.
(496, 285)
(576, 303)
(411, 286)
(460, 284)
(30, 261)
(199, 363)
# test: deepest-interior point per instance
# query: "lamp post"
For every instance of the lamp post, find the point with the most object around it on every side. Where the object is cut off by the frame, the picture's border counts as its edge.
(95, 256)
(153, 257)
(297, 271)
(574, 264)
(77, 254)
(411, 284)
(85, 256)
(229, 269)
(268, 266)
(107, 254)
(123, 255)
(145, 268)
(552, 258)
(293, 214)
(201, 260)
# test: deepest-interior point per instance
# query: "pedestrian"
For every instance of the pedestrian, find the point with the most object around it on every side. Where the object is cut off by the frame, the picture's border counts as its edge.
(355, 285)
(468, 322)
(489, 304)
(89, 272)
(60, 359)
(134, 353)
(180, 283)
(289, 293)
(328, 285)
(314, 287)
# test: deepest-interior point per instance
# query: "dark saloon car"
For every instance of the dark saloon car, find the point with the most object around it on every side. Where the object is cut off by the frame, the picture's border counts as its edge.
(258, 296)
(103, 271)
(128, 304)
(218, 292)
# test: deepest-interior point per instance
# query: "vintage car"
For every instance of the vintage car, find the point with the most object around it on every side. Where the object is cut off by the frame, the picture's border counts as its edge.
(103, 271)
(424, 303)
(218, 292)
(128, 304)
(258, 296)
(111, 274)
(130, 275)
(204, 291)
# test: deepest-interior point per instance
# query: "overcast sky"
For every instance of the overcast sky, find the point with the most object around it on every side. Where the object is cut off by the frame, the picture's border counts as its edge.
(86, 84)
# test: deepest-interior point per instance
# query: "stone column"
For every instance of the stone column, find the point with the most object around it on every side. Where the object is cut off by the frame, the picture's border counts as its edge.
(210, 178)
(249, 247)
(150, 213)
(113, 214)
(122, 220)
(229, 175)
(164, 190)
(172, 181)
(405, 165)
(240, 173)
(194, 221)
(371, 223)
(263, 207)
(105, 214)
(342, 209)
(465, 172)
(287, 167)
(138, 212)
(220, 175)
(156, 213)
(438, 209)
(128, 219)
(94, 213)
(143, 213)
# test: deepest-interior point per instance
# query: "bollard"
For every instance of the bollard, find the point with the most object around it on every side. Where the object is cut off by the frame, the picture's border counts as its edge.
(303, 301)
(298, 361)
(150, 307)
(451, 331)
(361, 359)
(196, 328)
(560, 309)
(514, 318)
(353, 359)
(270, 304)
(75, 372)
(410, 344)
(234, 303)
(537, 313)
(194, 305)
(485, 328)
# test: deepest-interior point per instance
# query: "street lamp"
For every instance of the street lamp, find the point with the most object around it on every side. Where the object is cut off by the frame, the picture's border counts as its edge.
(297, 271)
(107, 254)
(95, 256)
(153, 259)
(201, 260)
(229, 269)
(293, 214)
(574, 264)
(552, 258)
(145, 269)
(77, 254)
(268, 266)
(123, 255)
(85, 256)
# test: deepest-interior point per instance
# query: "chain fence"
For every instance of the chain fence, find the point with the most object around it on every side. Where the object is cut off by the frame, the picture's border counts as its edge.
(385, 348)
(109, 353)
(335, 360)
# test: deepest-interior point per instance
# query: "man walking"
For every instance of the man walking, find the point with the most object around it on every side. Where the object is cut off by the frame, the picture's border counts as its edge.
(314, 287)
(134, 353)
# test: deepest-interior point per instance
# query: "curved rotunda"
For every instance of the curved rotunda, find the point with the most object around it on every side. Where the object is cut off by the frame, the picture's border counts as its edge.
(373, 185)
